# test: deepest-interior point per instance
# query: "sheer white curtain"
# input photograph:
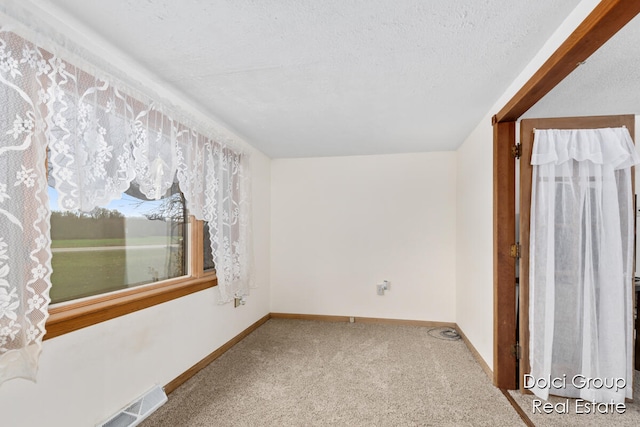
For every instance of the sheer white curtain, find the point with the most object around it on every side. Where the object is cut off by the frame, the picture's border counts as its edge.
(581, 252)
(100, 139)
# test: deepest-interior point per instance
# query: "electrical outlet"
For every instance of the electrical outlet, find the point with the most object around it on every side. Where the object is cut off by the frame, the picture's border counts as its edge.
(384, 286)
(239, 300)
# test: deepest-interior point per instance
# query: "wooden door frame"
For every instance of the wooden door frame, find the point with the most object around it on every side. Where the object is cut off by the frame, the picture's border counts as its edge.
(606, 19)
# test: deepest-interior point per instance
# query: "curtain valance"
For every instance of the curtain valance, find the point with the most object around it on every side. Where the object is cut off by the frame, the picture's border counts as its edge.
(611, 146)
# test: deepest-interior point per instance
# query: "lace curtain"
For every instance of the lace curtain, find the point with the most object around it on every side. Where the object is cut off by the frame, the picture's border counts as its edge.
(581, 258)
(100, 140)
(227, 195)
(25, 257)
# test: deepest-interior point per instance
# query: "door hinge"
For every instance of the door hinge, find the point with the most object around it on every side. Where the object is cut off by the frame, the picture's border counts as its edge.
(516, 351)
(514, 250)
(516, 151)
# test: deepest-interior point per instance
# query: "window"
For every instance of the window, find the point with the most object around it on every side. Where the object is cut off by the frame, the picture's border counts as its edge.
(149, 251)
(133, 241)
(132, 254)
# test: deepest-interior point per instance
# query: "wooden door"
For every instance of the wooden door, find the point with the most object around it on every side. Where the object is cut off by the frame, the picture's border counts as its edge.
(527, 127)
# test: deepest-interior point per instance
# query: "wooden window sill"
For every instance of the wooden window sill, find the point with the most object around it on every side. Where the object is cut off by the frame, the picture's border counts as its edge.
(70, 317)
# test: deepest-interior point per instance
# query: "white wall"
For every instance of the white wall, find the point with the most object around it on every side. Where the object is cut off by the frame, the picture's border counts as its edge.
(475, 206)
(474, 268)
(87, 375)
(340, 225)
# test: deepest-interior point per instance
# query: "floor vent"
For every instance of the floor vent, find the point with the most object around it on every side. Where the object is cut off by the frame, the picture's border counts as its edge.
(138, 410)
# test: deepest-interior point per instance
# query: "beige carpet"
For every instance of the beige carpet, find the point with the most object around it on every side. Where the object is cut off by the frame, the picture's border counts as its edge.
(630, 418)
(305, 373)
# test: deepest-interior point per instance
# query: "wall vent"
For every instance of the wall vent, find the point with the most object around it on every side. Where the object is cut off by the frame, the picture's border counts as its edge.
(138, 410)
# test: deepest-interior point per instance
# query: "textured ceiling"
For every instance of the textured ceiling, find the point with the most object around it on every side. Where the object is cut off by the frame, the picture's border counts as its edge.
(300, 78)
(607, 83)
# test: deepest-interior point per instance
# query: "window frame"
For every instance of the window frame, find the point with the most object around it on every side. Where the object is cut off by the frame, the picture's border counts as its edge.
(73, 315)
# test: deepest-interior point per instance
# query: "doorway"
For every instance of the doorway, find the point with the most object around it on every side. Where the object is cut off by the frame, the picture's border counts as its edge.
(606, 18)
